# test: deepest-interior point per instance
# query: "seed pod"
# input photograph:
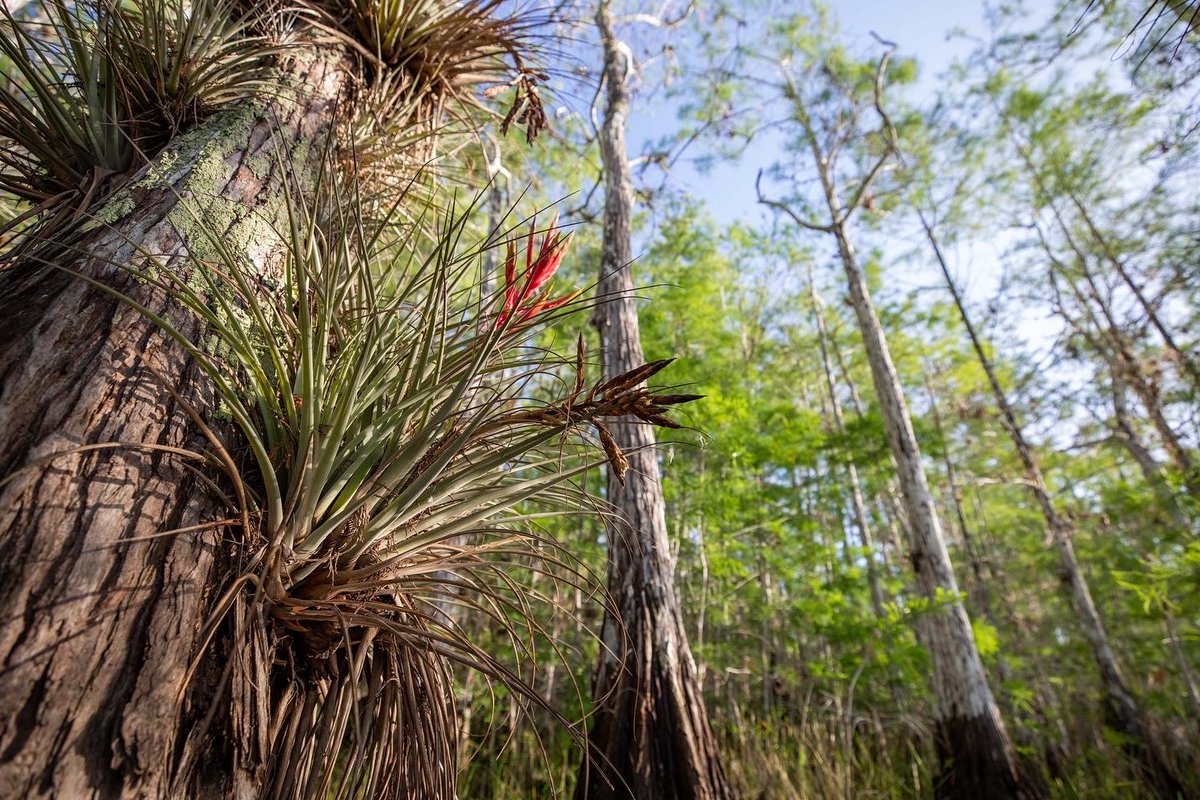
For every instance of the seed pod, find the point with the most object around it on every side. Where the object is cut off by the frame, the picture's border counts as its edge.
(661, 421)
(616, 459)
(635, 376)
(580, 353)
(676, 399)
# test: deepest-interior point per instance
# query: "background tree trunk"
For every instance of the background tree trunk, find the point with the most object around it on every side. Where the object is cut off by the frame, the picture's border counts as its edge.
(1121, 708)
(111, 556)
(650, 737)
(976, 756)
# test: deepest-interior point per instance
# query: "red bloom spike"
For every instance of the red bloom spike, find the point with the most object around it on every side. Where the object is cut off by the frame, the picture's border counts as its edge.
(510, 279)
(510, 264)
(549, 305)
(529, 243)
(547, 264)
(552, 234)
(539, 270)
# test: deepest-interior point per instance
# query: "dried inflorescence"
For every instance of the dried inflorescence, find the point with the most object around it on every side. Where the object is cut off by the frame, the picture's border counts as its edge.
(623, 396)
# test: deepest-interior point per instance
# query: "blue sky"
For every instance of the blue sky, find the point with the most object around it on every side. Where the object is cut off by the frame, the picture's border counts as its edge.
(920, 29)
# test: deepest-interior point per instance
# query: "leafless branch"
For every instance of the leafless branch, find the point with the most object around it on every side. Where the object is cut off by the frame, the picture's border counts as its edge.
(779, 205)
(891, 140)
(660, 20)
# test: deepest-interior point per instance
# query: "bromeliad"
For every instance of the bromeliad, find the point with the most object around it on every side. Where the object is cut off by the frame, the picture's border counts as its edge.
(539, 270)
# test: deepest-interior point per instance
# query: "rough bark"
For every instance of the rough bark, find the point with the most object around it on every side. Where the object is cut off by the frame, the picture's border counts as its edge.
(1121, 708)
(111, 557)
(650, 737)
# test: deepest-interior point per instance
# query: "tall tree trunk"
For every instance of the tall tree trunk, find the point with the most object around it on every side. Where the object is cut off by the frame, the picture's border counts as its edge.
(111, 556)
(1121, 708)
(982, 594)
(650, 735)
(976, 756)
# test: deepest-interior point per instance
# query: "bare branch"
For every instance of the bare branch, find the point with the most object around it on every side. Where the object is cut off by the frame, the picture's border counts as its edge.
(660, 19)
(890, 138)
(779, 205)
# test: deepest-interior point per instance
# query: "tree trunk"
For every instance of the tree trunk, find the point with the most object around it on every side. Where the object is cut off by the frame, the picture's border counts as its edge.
(1182, 356)
(983, 596)
(976, 757)
(111, 556)
(1121, 709)
(650, 737)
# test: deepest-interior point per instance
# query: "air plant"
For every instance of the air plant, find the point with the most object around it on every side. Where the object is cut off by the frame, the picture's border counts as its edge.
(181, 60)
(60, 106)
(431, 69)
(396, 472)
(92, 90)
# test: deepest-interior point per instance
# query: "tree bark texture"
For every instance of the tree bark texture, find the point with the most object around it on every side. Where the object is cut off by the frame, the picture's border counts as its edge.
(976, 756)
(111, 557)
(650, 737)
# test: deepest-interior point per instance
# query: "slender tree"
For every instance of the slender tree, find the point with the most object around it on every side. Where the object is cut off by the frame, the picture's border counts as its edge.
(650, 736)
(1121, 707)
(976, 756)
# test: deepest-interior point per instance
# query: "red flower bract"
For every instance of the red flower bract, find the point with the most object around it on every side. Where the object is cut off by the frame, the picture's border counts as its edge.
(539, 269)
